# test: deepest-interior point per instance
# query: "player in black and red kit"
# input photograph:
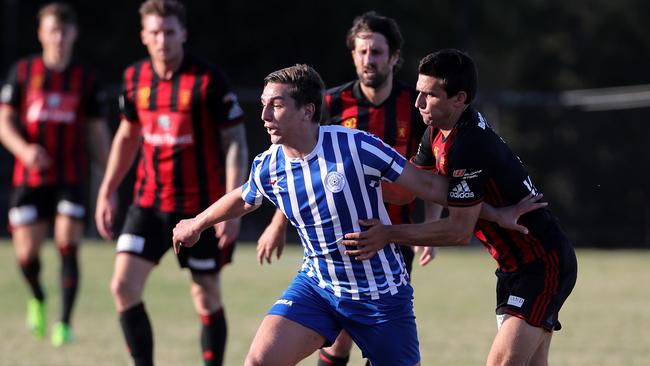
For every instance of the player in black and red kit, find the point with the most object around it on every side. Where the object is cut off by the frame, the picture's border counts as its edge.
(378, 103)
(536, 271)
(182, 116)
(49, 119)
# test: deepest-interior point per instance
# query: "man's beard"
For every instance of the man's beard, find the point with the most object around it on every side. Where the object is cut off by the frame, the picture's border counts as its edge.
(375, 81)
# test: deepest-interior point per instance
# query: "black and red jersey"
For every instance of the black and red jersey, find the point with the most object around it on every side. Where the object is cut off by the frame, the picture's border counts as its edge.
(482, 168)
(396, 121)
(181, 167)
(52, 109)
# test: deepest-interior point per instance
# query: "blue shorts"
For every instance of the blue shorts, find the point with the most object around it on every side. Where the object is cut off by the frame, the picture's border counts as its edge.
(384, 329)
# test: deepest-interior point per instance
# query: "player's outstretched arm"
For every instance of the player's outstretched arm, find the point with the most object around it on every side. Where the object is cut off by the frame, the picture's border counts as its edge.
(230, 206)
(273, 238)
(508, 217)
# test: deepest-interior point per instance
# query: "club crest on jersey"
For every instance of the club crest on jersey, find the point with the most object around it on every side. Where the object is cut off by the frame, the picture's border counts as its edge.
(184, 99)
(143, 96)
(164, 122)
(401, 132)
(349, 122)
(334, 182)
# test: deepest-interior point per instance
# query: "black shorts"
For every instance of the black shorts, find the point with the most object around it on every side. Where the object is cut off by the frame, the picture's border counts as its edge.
(537, 291)
(31, 204)
(147, 233)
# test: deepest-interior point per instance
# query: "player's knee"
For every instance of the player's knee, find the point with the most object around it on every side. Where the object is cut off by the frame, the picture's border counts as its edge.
(254, 359)
(507, 357)
(206, 299)
(122, 291)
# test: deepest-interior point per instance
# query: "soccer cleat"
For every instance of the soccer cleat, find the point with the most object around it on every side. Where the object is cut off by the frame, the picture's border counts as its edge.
(37, 317)
(61, 334)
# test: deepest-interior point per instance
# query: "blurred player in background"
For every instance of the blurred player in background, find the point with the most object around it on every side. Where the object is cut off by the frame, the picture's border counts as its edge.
(181, 115)
(49, 118)
(380, 104)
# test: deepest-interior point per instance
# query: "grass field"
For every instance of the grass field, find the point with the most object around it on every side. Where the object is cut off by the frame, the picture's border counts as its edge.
(606, 320)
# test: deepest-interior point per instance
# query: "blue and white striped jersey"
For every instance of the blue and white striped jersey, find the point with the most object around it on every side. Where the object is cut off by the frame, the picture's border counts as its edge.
(324, 195)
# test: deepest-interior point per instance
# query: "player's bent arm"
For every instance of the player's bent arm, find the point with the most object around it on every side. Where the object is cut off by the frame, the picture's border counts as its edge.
(230, 206)
(233, 140)
(30, 154)
(426, 185)
(123, 151)
(456, 229)
(99, 141)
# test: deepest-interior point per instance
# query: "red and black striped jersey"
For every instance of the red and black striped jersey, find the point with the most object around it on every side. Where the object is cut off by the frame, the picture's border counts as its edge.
(482, 168)
(181, 167)
(52, 109)
(396, 121)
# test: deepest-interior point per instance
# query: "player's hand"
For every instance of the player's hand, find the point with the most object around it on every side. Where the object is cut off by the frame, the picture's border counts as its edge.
(105, 209)
(427, 254)
(508, 216)
(272, 239)
(368, 242)
(227, 232)
(185, 234)
(35, 156)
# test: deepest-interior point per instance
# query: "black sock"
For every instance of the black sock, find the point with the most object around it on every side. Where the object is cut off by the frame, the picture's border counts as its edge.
(368, 362)
(31, 269)
(325, 359)
(213, 338)
(138, 335)
(69, 279)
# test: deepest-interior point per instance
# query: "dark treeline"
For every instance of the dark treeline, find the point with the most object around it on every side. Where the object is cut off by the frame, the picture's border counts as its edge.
(590, 165)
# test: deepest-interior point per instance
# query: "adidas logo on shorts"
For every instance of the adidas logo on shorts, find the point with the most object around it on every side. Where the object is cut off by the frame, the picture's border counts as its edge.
(461, 191)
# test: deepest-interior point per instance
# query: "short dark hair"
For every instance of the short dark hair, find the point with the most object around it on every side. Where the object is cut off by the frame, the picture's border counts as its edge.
(456, 70)
(373, 22)
(61, 11)
(164, 8)
(306, 86)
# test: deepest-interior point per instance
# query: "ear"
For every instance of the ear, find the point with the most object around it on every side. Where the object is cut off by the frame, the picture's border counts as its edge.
(460, 98)
(310, 110)
(394, 58)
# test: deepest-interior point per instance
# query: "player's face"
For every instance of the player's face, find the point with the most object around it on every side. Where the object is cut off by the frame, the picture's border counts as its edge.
(57, 38)
(279, 113)
(436, 108)
(163, 37)
(372, 59)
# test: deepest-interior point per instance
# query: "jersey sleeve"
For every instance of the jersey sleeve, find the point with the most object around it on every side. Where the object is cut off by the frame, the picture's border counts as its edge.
(222, 101)
(469, 170)
(10, 93)
(251, 190)
(424, 158)
(379, 159)
(128, 109)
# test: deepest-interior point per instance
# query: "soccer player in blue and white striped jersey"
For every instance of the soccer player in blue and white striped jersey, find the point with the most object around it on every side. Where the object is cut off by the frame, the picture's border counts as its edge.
(325, 179)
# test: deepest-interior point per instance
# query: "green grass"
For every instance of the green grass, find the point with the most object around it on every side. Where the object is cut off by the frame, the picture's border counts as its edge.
(606, 320)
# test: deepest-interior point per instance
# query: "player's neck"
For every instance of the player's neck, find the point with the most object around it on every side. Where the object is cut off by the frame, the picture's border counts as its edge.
(303, 144)
(378, 95)
(55, 62)
(165, 69)
(451, 122)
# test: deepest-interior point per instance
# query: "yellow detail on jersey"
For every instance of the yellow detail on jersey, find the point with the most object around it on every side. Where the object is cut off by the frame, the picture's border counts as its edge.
(143, 97)
(350, 122)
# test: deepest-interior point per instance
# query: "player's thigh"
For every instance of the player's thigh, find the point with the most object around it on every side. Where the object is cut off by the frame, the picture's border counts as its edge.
(29, 238)
(130, 275)
(68, 230)
(280, 341)
(516, 341)
(206, 292)
(342, 346)
(391, 343)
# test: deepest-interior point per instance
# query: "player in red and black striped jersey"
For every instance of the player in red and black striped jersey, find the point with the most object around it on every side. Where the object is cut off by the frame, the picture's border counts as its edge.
(537, 270)
(49, 120)
(179, 112)
(378, 103)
